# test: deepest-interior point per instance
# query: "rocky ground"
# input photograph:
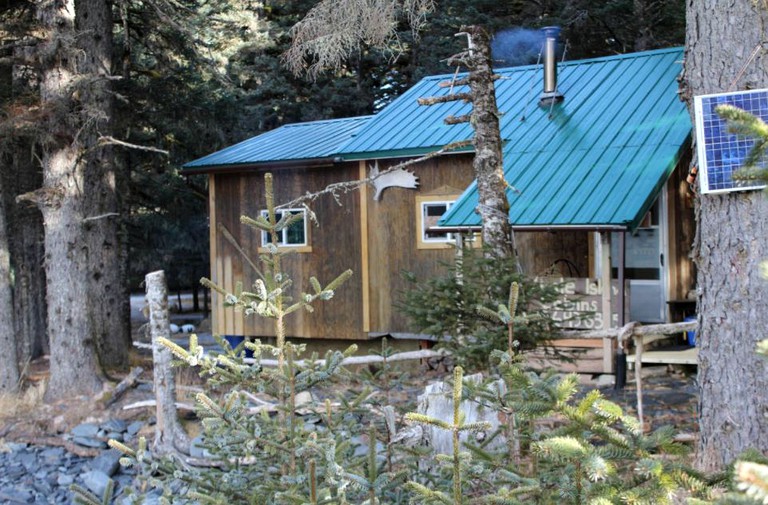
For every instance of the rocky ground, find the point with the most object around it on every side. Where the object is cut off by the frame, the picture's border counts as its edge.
(38, 467)
(45, 450)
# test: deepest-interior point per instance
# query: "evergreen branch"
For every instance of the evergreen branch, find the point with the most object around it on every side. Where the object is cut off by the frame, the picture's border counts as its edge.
(427, 494)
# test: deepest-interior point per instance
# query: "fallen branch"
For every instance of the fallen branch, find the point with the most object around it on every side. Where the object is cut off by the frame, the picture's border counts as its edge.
(642, 331)
(367, 360)
(83, 452)
(124, 385)
(153, 403)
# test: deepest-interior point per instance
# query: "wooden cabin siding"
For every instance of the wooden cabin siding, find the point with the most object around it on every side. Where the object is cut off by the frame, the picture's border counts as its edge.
(559, 253)
(392, 237)
(682, 229)
(334, 242)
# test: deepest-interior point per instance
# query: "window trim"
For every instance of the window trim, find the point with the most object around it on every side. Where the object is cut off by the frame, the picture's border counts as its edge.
(303, 247)
(422, 242)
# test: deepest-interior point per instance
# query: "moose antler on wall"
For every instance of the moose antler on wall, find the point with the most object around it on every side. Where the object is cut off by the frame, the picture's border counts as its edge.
(399, 178)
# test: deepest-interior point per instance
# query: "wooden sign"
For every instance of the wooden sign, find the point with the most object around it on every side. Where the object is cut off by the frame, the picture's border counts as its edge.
(580, 305)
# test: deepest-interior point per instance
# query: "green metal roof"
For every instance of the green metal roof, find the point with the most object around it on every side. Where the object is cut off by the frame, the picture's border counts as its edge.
(314, 140)
(603, 154)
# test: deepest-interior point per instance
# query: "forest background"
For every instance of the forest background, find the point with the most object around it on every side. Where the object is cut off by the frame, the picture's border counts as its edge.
(179, 80)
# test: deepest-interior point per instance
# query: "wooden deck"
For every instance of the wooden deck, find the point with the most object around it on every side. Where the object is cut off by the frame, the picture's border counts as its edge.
(677, 356)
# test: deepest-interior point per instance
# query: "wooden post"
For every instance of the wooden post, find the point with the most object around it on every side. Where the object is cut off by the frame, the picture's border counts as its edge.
(169, 435)
(639, 378)
(607, 313)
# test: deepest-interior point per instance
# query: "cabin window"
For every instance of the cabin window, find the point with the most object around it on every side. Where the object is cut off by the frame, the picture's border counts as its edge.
(294, 235)
(429, 210)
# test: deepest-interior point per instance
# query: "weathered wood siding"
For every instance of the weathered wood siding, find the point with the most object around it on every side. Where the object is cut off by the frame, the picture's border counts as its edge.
(335, 245)
(392, 237)
(682, 230)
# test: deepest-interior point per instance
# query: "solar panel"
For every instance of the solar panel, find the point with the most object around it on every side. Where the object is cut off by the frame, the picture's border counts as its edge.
(722, 153)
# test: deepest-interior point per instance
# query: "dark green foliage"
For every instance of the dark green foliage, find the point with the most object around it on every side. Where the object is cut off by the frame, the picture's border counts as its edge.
(448, 306)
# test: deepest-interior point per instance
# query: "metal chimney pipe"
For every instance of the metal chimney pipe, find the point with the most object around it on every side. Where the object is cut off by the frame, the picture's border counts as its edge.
(550, 94)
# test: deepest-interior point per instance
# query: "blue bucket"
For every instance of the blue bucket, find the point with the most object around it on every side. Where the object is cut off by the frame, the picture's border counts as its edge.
(235, 340)
(690, 334)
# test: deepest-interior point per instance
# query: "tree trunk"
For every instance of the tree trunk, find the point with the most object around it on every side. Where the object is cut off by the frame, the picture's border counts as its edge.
(170, 436)
(108, 297)
(487, 164)
(732, 240)
(74, 368)
(9, 365)
(25, 225)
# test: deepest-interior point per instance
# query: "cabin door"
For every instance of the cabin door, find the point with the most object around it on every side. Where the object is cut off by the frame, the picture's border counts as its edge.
(646, 265)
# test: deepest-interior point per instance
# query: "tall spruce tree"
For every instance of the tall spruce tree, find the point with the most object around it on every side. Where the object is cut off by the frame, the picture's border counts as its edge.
(74, 362)
(726, 52)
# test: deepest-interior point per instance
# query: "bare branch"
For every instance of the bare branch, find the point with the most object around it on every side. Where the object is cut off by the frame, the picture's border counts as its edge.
(461, 82)
(457, 119)
(103, 141)
(345, 187)
(432, 100)
(101, 216)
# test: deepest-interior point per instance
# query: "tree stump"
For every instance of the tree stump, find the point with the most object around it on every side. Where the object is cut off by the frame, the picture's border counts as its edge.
(170, 437)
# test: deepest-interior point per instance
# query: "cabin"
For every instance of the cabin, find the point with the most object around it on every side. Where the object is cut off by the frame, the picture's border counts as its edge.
(596, 165)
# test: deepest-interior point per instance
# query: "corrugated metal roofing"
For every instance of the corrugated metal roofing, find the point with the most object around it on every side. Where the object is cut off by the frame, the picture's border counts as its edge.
(292, 142)
(600, 158)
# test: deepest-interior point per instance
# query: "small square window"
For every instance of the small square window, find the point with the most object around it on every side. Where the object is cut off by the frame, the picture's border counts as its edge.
(431, 212)
(293, 235)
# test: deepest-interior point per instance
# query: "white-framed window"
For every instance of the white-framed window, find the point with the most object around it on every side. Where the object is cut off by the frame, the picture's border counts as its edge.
(294, 235)
(431, 212)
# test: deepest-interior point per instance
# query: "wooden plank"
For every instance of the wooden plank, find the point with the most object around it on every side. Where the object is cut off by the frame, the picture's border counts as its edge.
(577, 342)
(237, 266)
(364, 265)
(680, 357)
(213, 240)
(586, 366)
(605, 277)
(229, 323)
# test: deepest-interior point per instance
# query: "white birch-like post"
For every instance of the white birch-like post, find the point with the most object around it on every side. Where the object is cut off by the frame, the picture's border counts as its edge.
(169, 434)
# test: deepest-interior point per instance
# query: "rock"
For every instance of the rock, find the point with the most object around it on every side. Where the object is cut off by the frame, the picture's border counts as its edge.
(96, 482)
(304, 398)
(114, 425)
(133, 428)
(107, 462)
(90, 442)
(115, 435)
(85, 430)
(196, 449)
(52, 455)
(16, 495)
(65, 480)
(15, 447)
(28, 460)
(605, 381)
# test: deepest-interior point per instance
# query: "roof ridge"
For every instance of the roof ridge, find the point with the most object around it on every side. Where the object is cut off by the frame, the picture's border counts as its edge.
(596, 59)
(321, 121)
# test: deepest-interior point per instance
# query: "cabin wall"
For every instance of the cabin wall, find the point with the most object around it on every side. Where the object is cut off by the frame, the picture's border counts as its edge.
(392, 236)
(558, 253)
(392, 243)
(334, 242)
(682, 230)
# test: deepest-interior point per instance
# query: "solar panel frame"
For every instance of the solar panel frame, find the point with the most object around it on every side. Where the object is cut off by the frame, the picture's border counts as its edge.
(722, 153)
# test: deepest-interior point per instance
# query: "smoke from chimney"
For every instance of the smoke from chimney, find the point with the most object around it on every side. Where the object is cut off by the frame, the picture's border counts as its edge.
(516, 46)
